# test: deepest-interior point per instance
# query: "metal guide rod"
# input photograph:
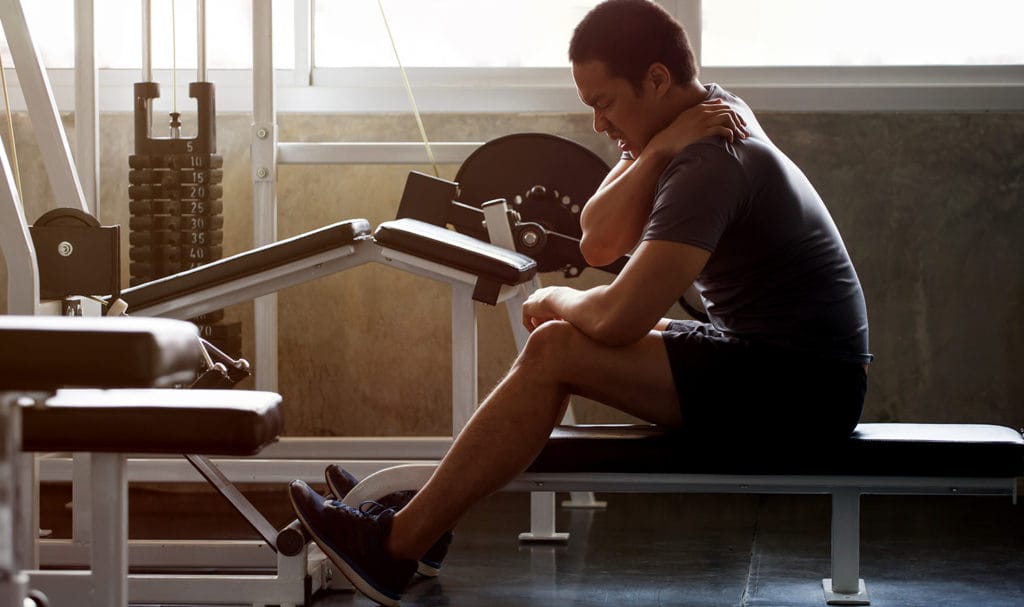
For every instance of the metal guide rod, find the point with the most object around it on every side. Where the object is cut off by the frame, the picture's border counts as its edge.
(201, 40)
(147, 41)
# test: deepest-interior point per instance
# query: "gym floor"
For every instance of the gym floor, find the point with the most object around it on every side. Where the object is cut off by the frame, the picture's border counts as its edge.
(680, 550)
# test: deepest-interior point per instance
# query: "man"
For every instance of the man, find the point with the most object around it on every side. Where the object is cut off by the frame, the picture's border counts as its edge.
(698, 202)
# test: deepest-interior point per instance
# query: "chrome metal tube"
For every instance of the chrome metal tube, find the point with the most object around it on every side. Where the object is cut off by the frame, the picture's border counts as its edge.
(147, 41)
(201, 40)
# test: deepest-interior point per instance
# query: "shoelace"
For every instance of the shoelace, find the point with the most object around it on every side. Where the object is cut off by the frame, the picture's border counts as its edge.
(374, 509)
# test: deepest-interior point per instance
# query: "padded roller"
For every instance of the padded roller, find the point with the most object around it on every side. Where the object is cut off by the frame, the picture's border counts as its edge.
(47, 352)
(207, 422)
(456, 250)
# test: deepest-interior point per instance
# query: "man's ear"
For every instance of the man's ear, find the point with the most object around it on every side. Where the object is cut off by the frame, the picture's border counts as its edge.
(659, 77)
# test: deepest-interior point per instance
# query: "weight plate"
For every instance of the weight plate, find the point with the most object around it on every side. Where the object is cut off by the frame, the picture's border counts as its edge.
(172, 237)
(175, 207)
(511, 167)
(175, 222)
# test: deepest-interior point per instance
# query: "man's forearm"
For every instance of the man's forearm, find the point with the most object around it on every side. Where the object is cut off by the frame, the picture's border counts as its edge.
(615, 216)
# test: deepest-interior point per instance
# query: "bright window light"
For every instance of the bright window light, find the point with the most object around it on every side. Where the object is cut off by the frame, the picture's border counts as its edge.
(862, 33)
(446, 33)
(119, 33)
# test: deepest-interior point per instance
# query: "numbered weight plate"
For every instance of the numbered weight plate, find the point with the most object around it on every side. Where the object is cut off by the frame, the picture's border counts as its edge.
(176, 222)
(176, 237)
(176, 207)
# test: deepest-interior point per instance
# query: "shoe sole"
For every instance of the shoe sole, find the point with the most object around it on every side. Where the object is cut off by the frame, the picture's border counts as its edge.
(342, 563)
(422, 568)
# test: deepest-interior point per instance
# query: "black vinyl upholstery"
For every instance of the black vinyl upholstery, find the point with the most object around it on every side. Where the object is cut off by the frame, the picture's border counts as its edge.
(47, 352)
(904, 449)
(246, 264)
(493, 265)
(210, 422)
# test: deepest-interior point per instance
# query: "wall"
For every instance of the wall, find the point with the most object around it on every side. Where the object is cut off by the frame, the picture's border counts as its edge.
(930, 205)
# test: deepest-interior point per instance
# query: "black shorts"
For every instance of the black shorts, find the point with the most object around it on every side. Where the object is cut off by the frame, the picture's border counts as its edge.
(729, 386)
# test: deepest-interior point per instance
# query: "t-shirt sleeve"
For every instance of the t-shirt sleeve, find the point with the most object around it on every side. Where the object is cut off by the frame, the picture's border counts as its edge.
(698, 196)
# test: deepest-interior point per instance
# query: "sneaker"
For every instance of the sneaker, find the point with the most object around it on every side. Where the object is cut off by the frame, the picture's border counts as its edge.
(353, 538)
(340, 482)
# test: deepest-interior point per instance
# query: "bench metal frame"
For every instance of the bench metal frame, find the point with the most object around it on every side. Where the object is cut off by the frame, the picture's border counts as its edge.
(845, 587)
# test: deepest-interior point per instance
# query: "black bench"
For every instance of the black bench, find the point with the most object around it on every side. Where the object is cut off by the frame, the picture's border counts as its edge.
(119, 355)
(886, 459)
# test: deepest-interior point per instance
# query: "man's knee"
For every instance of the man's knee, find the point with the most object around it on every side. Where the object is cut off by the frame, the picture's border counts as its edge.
(550, 346)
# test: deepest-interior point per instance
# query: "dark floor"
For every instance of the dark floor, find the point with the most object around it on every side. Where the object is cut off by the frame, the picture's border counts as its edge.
(686, 550)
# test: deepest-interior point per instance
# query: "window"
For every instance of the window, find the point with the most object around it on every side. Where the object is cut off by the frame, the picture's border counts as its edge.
(119, 33)
(510, 55)
(446, 33)
(862, 33)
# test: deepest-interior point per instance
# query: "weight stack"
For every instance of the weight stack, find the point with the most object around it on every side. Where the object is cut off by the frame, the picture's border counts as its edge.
(175, 202)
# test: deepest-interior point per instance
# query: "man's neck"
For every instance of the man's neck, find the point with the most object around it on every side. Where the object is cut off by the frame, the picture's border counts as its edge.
(689, 95)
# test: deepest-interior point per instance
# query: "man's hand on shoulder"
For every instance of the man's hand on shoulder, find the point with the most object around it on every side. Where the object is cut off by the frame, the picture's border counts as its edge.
(711, 118)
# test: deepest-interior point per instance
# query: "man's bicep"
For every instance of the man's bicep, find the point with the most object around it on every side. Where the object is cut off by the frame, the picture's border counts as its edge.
(619, 168)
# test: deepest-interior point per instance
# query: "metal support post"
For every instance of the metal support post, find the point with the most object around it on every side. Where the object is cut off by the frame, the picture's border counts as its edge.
(42, 109)
(845, 586)
(464, 356)
(109, 550)
(264, 175)
(87, 116)
(16, 243)
(542, 519)
(13, 581)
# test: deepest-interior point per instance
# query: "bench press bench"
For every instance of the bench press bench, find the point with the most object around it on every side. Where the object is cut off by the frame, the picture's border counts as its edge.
(123, 356)
(878, 459)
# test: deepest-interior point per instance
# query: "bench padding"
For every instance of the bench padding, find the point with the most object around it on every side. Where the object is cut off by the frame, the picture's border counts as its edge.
(455, 250)
(47, 352)
(205, 422)
(246, 264)
(940, 450)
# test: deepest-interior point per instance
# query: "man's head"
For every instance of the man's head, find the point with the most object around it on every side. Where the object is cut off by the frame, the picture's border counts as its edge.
(628, 36)
(629, 59)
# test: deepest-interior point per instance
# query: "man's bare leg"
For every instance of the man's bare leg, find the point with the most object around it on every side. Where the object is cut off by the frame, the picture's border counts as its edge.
(513, 423)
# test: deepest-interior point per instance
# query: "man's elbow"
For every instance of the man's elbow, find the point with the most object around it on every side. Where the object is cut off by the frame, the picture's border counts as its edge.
(598, 255)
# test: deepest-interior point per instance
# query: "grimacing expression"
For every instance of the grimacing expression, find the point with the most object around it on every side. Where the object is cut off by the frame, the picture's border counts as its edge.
(620, 111)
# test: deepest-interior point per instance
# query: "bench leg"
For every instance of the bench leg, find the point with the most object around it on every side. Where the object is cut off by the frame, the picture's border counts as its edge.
(109, 548)
(464, 357)
(845, 586)
(542, 519)
(13, 582)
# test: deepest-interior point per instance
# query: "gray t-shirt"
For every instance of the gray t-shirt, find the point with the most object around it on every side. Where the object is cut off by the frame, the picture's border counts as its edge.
(779, 272)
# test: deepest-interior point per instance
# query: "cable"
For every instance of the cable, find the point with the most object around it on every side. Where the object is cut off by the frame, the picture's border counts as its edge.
(10, 132)
(408, 90)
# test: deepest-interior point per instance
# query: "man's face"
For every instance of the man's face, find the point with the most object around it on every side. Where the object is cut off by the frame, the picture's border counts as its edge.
(620, 111)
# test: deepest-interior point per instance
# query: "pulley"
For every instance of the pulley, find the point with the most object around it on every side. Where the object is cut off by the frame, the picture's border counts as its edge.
(76, 255)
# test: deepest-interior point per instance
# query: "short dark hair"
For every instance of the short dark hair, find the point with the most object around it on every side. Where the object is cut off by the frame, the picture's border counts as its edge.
(629, 36)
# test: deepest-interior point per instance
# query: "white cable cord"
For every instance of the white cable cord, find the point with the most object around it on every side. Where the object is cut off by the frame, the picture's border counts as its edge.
(408, 90)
